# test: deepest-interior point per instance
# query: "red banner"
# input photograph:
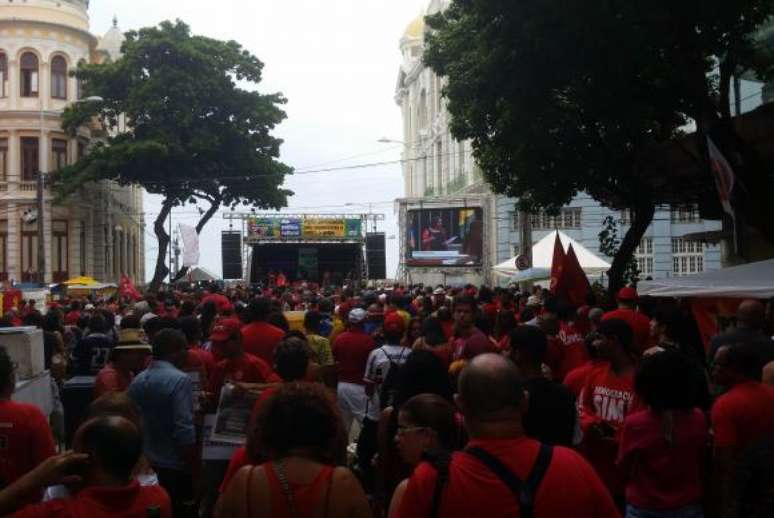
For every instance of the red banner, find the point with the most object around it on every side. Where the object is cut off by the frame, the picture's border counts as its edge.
(126, 288)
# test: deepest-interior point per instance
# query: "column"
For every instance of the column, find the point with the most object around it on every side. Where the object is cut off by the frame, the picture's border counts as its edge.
(13, 82)
(14, 161)
(14, 237)
(47, 241)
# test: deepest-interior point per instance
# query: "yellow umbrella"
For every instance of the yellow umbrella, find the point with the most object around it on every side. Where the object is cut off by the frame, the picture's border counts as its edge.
(81, 281)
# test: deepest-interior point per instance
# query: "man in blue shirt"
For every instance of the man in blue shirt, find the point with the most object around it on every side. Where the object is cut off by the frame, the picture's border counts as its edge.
(164, 394)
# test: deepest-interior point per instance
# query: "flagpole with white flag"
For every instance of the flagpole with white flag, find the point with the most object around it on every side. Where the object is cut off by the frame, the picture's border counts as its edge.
(190, 245)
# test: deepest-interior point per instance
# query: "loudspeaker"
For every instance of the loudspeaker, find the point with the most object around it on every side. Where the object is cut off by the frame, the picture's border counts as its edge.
(375, 254)
(231, 252)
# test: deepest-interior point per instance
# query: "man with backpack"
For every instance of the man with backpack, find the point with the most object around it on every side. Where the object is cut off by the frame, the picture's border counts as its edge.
(381, 378)
(502, 472)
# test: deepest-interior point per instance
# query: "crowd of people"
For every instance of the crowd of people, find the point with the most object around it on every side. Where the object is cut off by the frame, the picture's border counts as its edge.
(408, 402)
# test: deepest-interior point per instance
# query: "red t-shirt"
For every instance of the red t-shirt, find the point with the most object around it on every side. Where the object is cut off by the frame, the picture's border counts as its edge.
(660, 475)
(260, 339)
(351, 350)
(71, 318)
(467, 348)
(572, 349)
(743, 415)
(204, 357)
(570, 486)
(245, 369)
(132, 501)
(110, 379)
(576, 379)
(25, 441)
(607, 398)
(639, 323)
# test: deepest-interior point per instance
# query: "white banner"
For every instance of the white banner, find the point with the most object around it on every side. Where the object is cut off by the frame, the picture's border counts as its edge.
(190, 244)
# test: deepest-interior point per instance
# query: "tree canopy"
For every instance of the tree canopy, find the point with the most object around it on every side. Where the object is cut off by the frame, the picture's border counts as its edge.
(564, 96)
(183, 119)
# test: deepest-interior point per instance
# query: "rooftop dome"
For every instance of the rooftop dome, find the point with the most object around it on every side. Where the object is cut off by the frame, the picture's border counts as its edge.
(112, 40)
(416, 28)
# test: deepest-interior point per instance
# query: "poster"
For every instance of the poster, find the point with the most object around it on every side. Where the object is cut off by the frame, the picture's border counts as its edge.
(268, 228)
(233, 415)
(445, 237)
(212, 449)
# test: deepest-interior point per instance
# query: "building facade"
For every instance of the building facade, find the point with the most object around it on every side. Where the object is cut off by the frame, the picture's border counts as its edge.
(99, 230)
(440, 171)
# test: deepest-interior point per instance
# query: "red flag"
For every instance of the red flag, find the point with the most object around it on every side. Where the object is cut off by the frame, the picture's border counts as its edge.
(557, 264)
(573, 285)
(126, 288)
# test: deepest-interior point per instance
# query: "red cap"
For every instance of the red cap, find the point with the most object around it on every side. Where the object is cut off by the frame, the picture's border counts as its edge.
(627, 293)
(225, 329)
(394, 323)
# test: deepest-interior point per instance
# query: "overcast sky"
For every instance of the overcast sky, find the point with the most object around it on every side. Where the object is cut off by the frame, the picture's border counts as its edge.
(337, 62)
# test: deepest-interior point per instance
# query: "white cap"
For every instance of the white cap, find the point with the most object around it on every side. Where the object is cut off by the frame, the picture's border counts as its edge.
(533, 300)
(357, 315)
(439, 291)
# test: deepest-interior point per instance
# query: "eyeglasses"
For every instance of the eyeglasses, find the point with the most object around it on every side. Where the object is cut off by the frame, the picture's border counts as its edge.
(402, 430)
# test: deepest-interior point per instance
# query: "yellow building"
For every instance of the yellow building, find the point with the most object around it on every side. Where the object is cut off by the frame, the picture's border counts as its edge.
(98, 231)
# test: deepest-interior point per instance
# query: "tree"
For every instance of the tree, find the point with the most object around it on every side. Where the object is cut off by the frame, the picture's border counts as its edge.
(180, 121)
(564, 96)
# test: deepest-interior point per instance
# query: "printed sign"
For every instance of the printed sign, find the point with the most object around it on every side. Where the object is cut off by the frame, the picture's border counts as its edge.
(307, 228)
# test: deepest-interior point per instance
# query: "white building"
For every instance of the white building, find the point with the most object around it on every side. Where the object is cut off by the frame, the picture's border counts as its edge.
(99, 230)
(439, 172)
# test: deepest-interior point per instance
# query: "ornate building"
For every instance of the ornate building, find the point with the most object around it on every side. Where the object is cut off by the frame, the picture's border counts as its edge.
(439, 171)
(97, 231)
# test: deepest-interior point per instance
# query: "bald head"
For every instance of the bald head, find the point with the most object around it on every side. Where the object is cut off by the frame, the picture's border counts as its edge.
(490, 389)
(751, 314)
(114, 445)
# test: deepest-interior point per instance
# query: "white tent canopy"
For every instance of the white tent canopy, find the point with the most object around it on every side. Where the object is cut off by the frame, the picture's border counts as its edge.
(200, 274)
(543, 256)
(754, 280)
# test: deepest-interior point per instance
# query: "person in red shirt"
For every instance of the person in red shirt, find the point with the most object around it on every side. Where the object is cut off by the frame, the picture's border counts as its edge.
(127, 357)
(236, 365)
(351, 350)
(576, 379)
(469, 341)
(608, 398)
(106, 450)
(258, 336)
(25, 437)
(72, 316)
(663, 448)
(741, 417)
(627, 311)
(573, 352)
(199, 359)
(481, 479)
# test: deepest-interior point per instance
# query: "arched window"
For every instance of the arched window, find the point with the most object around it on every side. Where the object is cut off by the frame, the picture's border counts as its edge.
(59, 78)
(3, 75)
(79, 83)
(29, 75)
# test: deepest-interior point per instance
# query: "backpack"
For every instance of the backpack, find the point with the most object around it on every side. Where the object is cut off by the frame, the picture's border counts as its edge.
(524, 492)
(389, 386)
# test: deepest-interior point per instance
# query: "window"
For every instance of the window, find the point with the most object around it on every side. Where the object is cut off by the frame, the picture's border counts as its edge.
(644, 256)
(29, 75)
(58, 78)
(3, 159)
(59, 263)
(29, 252)
(514, 218)
(626, 217)
(29, 158)
(687, 214)
(79, 82)
(3, 75)
(569, 217)
(3, 250)
(81, 149)
(58, 154)
(687, 256)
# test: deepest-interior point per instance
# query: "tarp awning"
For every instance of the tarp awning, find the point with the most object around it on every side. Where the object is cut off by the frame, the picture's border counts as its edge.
(754, 280)
(543, 256)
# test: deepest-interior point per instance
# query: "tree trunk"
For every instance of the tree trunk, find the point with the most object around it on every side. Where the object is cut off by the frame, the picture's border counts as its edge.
(206, 217)
(642, 216)
(162, 237)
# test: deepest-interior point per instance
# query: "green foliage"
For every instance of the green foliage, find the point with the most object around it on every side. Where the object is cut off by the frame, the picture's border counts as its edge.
(183, 119)
(566, 96)
(192, 130)
(610, 244)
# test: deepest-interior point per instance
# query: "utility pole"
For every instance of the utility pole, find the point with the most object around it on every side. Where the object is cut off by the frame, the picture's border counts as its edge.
(525, 241)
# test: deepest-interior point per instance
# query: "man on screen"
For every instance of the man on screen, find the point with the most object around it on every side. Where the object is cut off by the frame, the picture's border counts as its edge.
(434, 236)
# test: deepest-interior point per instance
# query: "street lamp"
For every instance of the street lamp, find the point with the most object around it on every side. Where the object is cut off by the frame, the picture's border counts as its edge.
(41, 182)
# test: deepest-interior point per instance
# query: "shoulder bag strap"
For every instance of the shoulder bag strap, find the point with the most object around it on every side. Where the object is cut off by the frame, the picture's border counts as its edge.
(523, 491)
(531, 486)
